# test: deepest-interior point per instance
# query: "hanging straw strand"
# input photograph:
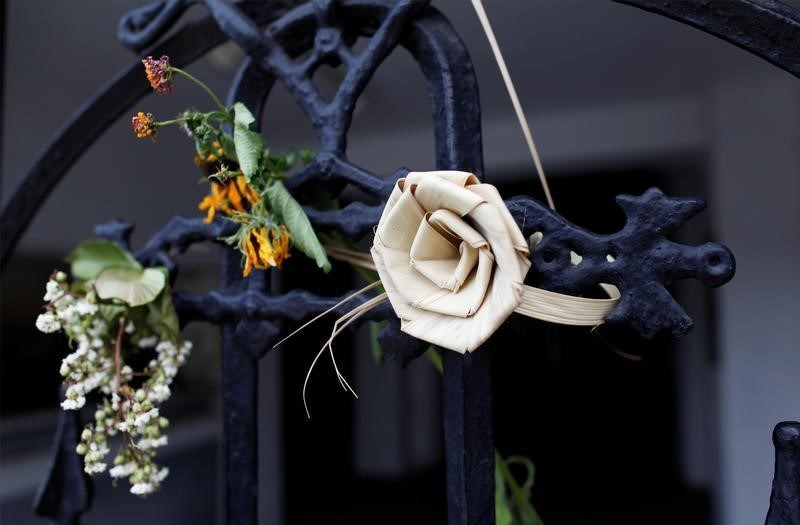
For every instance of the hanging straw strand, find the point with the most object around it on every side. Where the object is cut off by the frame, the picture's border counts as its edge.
(512, 93)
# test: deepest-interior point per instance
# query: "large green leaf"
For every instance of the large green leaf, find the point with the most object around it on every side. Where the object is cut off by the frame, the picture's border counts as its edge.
(134, 286)
(296, 220)
(249, 144)
(162, 317)
(242, 115)
(92, 257)
(228, 146)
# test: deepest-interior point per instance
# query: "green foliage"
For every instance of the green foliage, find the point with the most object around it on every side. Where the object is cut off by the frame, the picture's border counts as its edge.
(134, 286)
(204, 134)
(249, 144)
(162, 317)
(511, 500)
(228, 146)
(378, 354)
(306, 155)
(296, 220)
(245, 151)
(111, 312)
(435, 358)
(92, 257)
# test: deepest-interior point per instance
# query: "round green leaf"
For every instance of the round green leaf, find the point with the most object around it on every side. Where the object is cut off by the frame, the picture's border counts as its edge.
(92, 257)
(131, 285)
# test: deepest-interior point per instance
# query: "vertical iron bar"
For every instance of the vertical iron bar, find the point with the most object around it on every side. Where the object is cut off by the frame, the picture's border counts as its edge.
(67, 492)
(239, 405)
(784, 504)
(469, 449)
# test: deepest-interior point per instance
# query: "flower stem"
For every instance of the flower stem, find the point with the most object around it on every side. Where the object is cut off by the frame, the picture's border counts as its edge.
(118, 354)
(202, 86)
(162, 123)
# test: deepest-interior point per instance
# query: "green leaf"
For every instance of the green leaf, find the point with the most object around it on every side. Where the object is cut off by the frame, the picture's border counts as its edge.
(228, 146)
(162, 317)
(242, 115)
(502, 510)
(433, 355)
(134, 286)
(249, 145)
(378, 354)
(516, 497)
(297, 222)
(92, 257)
(110, 312)
(204, 137)
(306, 155)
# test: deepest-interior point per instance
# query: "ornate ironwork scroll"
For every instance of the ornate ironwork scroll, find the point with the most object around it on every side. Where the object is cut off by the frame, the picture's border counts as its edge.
(639, 259)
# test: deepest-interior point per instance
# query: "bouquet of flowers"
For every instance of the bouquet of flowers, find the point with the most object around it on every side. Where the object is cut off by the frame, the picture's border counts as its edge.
(245, 179)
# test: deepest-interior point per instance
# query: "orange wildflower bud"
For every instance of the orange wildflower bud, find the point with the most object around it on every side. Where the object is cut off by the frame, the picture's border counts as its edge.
(234, 197)
(158, 73)
(144, 125)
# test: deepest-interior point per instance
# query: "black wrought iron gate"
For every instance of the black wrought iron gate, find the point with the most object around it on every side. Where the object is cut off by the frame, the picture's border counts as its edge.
(287, 41)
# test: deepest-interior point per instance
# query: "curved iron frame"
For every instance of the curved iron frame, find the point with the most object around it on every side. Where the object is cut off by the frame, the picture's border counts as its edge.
(764, 28)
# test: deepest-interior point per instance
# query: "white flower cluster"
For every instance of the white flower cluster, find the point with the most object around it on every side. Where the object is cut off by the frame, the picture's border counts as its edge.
(100, 342)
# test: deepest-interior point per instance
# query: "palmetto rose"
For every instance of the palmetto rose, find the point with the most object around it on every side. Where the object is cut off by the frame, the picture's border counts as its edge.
(450, 257)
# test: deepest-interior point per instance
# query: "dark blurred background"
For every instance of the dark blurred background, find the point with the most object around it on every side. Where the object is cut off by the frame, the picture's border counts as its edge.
(619, 100)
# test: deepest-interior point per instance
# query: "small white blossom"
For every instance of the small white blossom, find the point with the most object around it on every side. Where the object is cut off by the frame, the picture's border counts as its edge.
(166, 347)
(75, 390)
(148, 443)
(48, 323)
(90, 367)
(148, 342)
(159, 393)
(85, 308)
(68, 313)
(98, 328)
(63, 301)
(73, 404)
(161, 475)
(52, 291)
(141, 489)
(94, 468)
(143, 419)
(124, 470)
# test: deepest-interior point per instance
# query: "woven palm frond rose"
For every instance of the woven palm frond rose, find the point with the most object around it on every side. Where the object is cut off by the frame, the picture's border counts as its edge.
(450, 257)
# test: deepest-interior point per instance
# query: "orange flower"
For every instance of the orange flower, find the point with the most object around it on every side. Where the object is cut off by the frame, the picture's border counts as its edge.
(280, 244)
(227, 197)
(265, 251)
(159, 73)
(251, 258)
(234, 197)
(245, 189)
(265, 247)
(209, 157)
(144, 125)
